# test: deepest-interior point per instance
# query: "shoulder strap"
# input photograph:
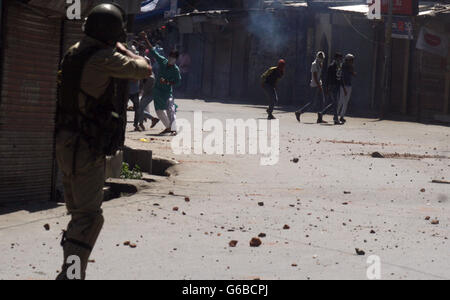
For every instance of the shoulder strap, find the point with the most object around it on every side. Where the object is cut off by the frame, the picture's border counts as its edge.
(71, 71)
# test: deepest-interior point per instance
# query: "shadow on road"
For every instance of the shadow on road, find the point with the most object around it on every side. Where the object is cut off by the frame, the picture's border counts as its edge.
(31, 207)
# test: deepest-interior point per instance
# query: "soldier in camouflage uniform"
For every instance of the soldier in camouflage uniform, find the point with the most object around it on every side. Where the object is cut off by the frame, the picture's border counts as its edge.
(90, 125)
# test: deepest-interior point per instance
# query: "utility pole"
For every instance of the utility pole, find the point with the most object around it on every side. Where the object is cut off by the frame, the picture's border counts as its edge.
(388, 61)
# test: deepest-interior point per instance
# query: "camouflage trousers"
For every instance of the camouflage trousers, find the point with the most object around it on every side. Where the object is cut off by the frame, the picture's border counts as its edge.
(83, 180)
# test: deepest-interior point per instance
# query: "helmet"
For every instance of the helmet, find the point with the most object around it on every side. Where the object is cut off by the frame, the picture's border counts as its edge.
(106, 23)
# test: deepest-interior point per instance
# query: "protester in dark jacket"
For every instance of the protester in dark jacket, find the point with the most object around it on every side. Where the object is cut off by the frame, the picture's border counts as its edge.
(332, 84)
(269, 83)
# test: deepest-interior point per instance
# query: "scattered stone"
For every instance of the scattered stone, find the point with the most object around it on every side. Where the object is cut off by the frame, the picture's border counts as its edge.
(441, 181)
(377, 155)
(286, 227)
(255, 242)
(261, 203)
(422, 190)
(127, 243)
(171, 193)
(262, 235)
(427, 218)
(295, 160)
(294, 265)
(435, 222)
(175, 208)
(345, 203)
(372, 231)
(133, 245)
(233, 244)
(347, 192)
(187, 199)
(47, 227)
(360, 251)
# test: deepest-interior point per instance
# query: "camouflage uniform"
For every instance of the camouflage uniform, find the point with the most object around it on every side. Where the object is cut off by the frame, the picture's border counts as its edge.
(84, 178)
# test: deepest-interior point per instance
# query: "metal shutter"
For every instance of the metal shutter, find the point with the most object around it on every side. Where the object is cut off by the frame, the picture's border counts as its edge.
(28, 103)
(72, 33)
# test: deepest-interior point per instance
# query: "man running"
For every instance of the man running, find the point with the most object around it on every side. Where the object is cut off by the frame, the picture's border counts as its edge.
(269, 83)
(317, 94)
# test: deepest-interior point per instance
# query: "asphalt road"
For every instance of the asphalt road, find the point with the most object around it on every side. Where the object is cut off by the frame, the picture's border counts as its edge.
(324, 197)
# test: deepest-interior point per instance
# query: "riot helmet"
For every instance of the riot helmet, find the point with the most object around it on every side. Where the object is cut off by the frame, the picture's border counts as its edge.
(106, 23)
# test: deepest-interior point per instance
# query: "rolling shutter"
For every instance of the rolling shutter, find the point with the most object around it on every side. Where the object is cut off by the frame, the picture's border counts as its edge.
(28, 104)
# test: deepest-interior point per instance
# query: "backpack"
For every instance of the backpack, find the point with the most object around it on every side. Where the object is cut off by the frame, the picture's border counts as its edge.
(103, 124)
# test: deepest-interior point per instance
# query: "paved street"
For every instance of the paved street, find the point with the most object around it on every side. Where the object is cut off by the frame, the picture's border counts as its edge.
(334, 199)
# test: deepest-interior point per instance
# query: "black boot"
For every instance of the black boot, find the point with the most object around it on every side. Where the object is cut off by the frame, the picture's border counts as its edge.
(320, 119)
(271, 117)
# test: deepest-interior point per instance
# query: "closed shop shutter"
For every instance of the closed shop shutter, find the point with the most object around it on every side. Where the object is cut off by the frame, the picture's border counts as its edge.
(72, 33)
(432, 85)
(28, 104)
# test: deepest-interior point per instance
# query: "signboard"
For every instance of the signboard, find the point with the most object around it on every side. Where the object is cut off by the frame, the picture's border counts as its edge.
(401, 7)
(433, 42)
(402, 28)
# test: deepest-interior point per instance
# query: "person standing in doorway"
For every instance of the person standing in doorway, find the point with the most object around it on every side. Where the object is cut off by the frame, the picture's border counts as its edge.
(317, 96)
(269, 83)
(348, 72)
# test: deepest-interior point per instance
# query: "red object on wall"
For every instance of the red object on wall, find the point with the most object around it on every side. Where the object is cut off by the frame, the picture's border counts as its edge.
(401, 7)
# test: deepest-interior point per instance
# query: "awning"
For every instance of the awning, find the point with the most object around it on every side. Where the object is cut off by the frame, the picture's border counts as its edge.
(152, 8)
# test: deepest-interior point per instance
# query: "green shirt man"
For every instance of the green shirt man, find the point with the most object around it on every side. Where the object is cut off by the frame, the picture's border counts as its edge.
(169, 76)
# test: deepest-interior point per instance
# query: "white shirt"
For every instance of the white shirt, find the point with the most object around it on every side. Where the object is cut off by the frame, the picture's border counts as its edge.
(316, 67)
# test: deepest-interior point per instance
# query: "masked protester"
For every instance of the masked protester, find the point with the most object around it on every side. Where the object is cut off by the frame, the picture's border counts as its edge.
(269, 82)
(91, 122)
(317, 96)
(167, 77)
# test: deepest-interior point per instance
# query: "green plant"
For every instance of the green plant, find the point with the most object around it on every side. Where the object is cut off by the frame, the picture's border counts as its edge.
(126, 173)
